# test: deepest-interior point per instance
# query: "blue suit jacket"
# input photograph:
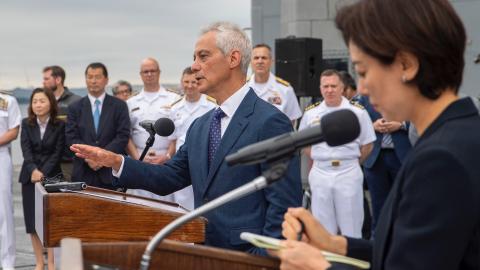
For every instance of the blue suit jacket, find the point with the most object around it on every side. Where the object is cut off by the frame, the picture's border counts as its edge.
(431, 219)
(261, 212)
(399, 137)
(113, 134)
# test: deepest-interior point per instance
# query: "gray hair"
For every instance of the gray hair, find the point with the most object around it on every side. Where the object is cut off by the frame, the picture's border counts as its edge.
(120, 83)
(230, 37)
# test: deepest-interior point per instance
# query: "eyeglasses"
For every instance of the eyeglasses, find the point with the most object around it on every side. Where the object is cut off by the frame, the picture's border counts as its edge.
(151, 71)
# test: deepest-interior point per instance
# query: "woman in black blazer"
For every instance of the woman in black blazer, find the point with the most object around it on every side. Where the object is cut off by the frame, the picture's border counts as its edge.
(409, 57)
(42, 141)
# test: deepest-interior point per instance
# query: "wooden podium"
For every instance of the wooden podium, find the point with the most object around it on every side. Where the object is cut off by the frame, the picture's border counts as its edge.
(169, 255)
(100, 215)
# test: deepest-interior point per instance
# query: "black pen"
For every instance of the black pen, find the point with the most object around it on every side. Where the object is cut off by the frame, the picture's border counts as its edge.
(306, 205)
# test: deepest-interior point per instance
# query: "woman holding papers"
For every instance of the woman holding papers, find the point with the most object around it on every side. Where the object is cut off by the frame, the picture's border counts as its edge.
(408, 55)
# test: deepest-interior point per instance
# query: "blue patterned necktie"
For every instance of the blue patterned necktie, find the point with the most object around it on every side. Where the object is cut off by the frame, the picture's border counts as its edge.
(215, 134)
(96, 114)
(387, 140)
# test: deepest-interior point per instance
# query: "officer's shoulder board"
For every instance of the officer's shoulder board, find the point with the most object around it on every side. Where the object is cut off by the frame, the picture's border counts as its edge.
(282, 81)
(5, 92)
(312, 106)
(172, 91)
(211, 99)
(357, 104)
(248, 78)
(176, 101)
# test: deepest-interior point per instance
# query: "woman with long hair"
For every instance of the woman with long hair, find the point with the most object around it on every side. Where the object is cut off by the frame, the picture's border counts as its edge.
(42, 141)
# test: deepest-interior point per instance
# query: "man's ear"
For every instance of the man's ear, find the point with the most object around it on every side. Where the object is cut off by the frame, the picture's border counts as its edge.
(235, 58)
(409, 64)
(58, 80)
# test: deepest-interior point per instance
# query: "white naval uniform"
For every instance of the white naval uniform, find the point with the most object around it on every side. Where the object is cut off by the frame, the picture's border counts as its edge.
(279, 93)
(336, 178)
(143, 107)
(183, 114)
(10, 117)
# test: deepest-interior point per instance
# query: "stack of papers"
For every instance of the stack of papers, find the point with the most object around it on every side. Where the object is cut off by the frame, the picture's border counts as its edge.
(272, 243)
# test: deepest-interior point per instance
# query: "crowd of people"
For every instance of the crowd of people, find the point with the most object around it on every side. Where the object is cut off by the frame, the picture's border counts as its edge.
(425, 200)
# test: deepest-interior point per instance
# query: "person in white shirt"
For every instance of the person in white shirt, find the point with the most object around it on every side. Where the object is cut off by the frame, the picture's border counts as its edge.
(153, 102)
(10, 119)
(270, 88)
(193, 105)
(336, 178)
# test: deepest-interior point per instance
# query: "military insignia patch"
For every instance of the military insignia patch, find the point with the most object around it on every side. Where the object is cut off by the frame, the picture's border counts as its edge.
(3, 104)
(276, 100)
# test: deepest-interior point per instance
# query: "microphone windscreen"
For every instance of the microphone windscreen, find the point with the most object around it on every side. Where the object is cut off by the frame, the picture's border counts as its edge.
(164, 127)
(340, 127)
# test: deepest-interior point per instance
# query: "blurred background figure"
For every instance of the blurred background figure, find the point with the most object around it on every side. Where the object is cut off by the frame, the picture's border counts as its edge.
(153, 102)
(122, 90)
(43, 143)
(54, 80)
(270, 88)
(350, 87)
(193, 105)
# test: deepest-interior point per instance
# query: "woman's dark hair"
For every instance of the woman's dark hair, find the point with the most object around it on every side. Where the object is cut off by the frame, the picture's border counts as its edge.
(32, 118)
(347, 80)
(429, 29)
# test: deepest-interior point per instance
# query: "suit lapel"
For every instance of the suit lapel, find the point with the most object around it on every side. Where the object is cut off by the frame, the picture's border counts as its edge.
(88, 117)
(48, 130)
(36, 132)
(234, 130)
(385, 222)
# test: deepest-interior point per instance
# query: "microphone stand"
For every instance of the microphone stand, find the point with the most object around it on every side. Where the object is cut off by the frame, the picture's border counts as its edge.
(148, 144)
(270, 176)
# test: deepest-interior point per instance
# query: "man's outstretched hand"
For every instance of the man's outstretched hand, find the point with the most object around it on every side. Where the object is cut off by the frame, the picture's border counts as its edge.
(98, 156)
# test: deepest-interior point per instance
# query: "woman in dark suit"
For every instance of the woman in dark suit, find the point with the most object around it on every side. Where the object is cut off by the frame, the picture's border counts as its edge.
(408, 55)
(42, 141)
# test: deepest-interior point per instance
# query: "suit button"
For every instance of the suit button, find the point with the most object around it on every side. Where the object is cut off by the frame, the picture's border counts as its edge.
(96, 142)
(205, 200)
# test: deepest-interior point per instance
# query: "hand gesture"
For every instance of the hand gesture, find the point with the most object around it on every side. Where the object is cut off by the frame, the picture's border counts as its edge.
(97, 156)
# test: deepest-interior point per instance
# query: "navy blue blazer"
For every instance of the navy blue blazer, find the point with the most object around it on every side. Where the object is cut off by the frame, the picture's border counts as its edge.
(399, 137)
(261, 212)
(431, 219)
(113, 134)
(42, 154)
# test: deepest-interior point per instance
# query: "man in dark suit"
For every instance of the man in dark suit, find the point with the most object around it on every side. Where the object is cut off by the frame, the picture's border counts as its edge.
(99, 120)
(241, 119)
(384, 162)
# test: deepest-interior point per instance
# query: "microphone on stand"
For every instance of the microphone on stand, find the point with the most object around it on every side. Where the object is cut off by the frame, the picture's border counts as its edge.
(162, 126)
(337, 128)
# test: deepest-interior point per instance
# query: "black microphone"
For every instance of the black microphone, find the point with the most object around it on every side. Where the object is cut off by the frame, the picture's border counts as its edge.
(336, 128)
(163, 126)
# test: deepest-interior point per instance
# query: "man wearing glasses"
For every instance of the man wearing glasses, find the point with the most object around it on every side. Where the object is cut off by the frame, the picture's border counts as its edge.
(153, 102)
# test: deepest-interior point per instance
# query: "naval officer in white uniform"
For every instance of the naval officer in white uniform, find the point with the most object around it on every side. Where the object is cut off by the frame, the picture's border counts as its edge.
(270, 88)
(336, 178)
(10, 119)
(193, 105)
(153, 102)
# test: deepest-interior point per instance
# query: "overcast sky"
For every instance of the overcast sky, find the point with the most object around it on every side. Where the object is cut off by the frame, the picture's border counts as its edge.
(119, 33)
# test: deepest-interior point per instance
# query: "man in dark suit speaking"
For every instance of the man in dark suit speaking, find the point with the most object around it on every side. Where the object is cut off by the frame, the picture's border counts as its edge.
(99, 120)
(221, 60)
